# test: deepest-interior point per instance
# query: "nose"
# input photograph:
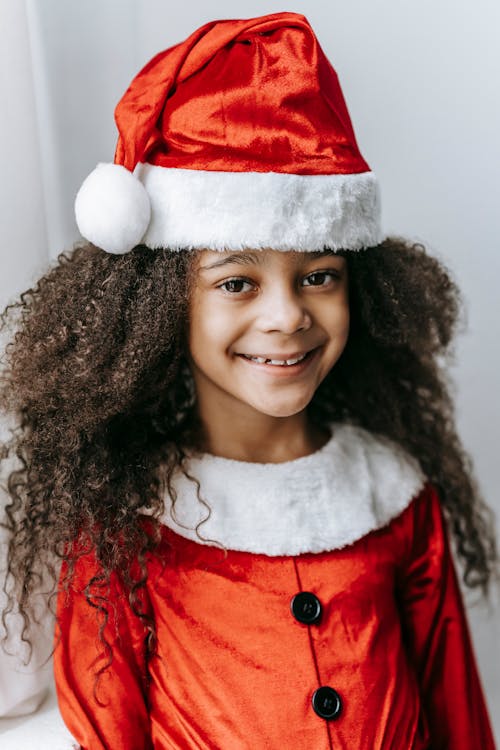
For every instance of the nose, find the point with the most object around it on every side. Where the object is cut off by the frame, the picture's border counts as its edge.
(283, 310)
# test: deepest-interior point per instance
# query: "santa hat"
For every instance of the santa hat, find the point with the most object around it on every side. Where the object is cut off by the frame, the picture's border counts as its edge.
(236, 138)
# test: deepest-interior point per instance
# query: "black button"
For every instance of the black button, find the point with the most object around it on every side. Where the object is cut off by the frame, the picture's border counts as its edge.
(306, 607)
(326, 702)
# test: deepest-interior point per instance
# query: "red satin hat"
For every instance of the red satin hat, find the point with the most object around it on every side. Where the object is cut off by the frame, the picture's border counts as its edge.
(238, 137)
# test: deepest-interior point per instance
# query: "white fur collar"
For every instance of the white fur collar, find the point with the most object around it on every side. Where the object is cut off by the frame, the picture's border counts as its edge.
(356, 483)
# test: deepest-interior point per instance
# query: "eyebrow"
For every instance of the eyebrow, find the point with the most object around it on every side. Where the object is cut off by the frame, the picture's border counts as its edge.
(248, 259)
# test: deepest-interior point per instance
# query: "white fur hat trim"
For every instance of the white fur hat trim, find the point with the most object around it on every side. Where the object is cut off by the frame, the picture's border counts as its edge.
(202, 209)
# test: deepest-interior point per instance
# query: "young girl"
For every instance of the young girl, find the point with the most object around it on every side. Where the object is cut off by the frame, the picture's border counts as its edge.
(235, 434)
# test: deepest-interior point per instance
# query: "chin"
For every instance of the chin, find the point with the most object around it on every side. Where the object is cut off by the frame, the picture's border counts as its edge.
(281, 411)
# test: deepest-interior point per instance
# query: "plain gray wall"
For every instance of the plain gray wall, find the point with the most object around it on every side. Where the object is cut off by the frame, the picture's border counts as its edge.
(421, 83)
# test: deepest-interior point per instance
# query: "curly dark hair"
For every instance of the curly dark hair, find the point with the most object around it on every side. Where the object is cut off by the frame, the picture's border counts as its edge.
(97, 380)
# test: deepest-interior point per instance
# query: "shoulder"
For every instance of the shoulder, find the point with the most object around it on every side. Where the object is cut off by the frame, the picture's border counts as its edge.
(386, 466)
(380, 479)
(422, 525)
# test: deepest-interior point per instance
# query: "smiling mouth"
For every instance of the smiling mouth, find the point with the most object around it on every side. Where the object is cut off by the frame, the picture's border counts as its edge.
(277, 362)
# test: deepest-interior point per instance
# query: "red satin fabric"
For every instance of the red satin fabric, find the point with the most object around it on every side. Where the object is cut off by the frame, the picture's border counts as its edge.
(254, 94)
(236, 671)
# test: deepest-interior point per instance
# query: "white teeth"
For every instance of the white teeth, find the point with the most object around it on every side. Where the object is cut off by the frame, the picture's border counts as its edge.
(262, 360)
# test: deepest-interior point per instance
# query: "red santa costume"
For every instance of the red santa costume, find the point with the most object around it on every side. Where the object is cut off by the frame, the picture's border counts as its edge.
(335, 619)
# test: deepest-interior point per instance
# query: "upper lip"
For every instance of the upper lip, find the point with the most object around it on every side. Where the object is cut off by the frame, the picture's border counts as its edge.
(293, 355)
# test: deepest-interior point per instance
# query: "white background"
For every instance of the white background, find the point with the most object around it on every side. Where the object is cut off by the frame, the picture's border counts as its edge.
(421, 83)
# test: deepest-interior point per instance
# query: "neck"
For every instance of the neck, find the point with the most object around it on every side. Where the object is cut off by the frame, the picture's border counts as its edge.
(259, 438)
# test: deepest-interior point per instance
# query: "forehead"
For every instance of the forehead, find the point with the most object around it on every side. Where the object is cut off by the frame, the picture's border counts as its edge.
(211, 259)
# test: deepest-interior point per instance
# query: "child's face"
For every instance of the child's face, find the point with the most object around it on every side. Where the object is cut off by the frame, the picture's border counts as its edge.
(266, 304)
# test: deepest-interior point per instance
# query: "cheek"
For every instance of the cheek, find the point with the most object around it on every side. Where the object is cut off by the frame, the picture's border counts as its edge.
(210, 329)
(198, 328)
(338, 320)
(346, 321)
(338, 331)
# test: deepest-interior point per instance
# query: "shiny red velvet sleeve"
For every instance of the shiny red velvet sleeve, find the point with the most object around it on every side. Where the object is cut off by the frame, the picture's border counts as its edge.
(123, 721)
(437, 635)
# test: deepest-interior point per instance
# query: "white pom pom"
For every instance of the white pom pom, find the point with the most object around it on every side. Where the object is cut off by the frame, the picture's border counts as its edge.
(112, 209)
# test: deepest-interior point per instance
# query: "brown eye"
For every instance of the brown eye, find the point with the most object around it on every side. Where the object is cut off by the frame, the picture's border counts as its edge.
(234, 286)
(318, 278)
